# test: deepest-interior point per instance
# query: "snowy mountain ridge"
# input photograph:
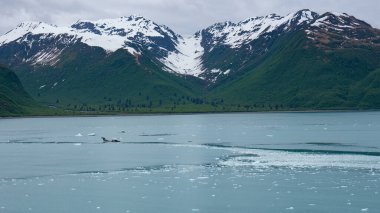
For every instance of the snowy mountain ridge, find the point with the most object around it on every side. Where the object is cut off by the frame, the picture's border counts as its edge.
(43, 43)
(236, 34)
(109, 34)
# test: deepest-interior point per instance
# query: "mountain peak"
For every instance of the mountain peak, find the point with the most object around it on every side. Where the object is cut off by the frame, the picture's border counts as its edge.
(273, 16)
(134, 17)
(31, 25)
(338, 20)
(337, 14)
(306, 13)
(123, 26)
(127, 18)
(26, 27)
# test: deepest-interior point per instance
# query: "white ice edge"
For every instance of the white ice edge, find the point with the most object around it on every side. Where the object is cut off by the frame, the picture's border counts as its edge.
(269, 158)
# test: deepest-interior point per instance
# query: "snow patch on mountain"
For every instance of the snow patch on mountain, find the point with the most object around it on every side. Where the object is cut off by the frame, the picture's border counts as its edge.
(307, 16)
(28, 28)
(123, 26)
(187, 59)
(46, 57)
(335, 20)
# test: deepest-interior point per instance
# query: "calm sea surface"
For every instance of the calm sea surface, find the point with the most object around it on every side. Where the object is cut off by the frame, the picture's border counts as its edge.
(248, 162)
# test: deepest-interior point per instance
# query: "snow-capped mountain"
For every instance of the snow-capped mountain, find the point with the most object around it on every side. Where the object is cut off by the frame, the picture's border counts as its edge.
(245, 40)
(339, 30)
(212, 54)
(133, 33)
(303, 59)
(235, 35)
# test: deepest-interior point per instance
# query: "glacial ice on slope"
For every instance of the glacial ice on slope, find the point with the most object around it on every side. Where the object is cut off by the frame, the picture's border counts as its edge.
(187, 59)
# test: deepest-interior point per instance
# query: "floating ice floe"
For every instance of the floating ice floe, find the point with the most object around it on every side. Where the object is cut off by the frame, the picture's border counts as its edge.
(266, 158)
(78, 135)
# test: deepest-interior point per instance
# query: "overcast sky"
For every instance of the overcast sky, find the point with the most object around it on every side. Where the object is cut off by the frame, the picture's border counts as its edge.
(183, 16)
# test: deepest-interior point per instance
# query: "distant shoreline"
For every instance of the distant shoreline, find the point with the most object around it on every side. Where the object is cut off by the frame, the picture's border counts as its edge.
(182, 113)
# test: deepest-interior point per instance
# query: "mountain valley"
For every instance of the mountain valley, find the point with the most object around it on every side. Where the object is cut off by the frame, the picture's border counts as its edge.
(301, 61)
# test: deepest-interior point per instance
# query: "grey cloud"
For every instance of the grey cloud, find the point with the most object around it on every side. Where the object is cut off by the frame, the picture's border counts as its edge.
(183, 16)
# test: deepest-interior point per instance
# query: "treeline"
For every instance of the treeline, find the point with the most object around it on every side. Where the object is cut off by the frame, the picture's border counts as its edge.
(179, 104)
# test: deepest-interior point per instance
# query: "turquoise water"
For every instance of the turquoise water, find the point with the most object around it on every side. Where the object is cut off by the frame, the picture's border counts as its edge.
(243, 162)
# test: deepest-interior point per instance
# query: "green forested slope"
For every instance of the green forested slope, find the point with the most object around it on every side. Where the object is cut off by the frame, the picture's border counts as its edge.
(91, 79)
(13, 98)
(301, 76)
